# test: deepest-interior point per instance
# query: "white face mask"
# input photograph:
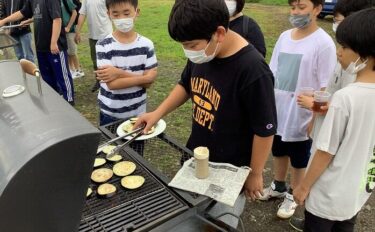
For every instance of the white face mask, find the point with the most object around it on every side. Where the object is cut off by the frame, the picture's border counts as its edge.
(334, 27)
(232, 7)
(200, 56)
(353, 68)
(124, 24)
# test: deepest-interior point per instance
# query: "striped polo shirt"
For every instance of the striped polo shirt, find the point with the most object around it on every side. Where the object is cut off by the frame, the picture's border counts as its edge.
(135, 57)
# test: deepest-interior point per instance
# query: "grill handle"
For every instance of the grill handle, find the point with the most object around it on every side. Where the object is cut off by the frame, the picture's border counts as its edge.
(31, 69)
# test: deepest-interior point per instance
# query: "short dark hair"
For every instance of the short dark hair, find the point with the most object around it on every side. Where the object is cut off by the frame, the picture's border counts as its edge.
(315, 2)
(111, 3)
(240, 6)
(357, 32)
(346, 7)
(197, 19)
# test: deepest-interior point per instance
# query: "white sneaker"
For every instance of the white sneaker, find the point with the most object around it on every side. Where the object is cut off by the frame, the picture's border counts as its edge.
(80, 73)
(287, 208)
(270, 192)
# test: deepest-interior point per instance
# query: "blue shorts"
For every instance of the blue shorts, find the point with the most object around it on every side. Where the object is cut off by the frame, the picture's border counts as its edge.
(298, 152)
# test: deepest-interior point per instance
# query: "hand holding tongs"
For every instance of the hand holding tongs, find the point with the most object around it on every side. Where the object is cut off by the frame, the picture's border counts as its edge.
(138, 132)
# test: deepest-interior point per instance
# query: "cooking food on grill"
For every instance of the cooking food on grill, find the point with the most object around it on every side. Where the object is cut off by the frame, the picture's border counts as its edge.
(114, 158)
(128, 127)
(99, 162)
(101, 175)
(132, 182)
(107, 149)
(124, 168)
(106, 190)
(89, 192)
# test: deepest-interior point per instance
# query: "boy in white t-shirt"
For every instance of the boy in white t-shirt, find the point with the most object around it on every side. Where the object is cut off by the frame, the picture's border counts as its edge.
(341, 173)
(303, 57)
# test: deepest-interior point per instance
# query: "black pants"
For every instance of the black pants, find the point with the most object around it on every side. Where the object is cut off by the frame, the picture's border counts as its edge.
(317, 224)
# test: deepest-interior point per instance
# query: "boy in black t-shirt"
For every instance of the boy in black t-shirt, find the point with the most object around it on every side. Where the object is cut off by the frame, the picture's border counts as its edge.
(231, 88)
(50, 43)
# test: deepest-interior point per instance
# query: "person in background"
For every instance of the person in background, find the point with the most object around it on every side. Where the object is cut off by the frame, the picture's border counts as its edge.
(69, 15)
(50, 44)
(245, 26)
(233, 103)
(339, 80)
(341, 174)
(126, 65)
(304, 56)
(99, 26)
(21, 34)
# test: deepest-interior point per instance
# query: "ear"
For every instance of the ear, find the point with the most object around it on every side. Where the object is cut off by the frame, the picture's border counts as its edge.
(137, 11)
(317, 10)
(220, 34)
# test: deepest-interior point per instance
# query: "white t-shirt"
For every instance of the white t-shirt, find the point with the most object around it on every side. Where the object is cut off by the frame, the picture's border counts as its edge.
(348, 133)
(135, 57)
(339, 80)
(308, 62)
(98, 22)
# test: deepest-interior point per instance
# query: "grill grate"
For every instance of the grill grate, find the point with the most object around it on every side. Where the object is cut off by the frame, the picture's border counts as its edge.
(129, 210)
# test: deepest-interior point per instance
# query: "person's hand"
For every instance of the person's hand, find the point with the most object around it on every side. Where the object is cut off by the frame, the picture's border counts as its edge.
(150, 119)
(300, 194)
(25, 23)
(77, 38)
(67, 29)
(54, 48)
(107, 73)
(323, 109)
(254, 186)
(304, 101)
(2, 23)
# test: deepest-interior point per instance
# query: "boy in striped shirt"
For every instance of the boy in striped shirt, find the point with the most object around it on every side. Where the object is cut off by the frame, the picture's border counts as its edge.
(127, 65)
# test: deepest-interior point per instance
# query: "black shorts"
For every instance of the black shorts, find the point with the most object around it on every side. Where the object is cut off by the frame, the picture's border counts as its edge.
(318, 224)
(299, 152)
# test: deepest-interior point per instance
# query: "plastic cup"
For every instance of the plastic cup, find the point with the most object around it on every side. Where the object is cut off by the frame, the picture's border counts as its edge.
(307, 91)
(321, 98)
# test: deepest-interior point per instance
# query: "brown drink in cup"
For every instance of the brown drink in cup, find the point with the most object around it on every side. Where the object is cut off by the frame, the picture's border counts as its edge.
(321, 98)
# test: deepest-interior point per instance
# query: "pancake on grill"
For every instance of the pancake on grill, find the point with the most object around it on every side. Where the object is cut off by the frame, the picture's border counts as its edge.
(124, 168)
(99, 162)
(114, 158)
(101, 175)
(106, 190)
(107, 149)
(132, 182)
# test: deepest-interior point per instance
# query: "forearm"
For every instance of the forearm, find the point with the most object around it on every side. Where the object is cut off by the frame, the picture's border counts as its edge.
(72, 19)
(27, 21)
(176, 98)
(318, 165)
(81, 20)
(260, 152)
(56, 30)
(126, 79)
(13, 17)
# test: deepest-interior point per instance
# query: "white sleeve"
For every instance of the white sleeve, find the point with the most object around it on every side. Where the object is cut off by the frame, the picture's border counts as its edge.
(327, 61)
(83, 9)
(101, 55)
(333, 128)
(274, 58)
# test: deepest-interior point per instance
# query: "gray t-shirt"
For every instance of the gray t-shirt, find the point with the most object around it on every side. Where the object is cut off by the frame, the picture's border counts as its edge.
(44, 12)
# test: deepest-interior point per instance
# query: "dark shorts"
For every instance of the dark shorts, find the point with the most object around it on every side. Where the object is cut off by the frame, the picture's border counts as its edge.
(298, 152)
(318, 224)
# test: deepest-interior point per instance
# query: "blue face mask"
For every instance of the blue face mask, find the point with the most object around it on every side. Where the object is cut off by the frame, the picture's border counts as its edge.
(300, 21)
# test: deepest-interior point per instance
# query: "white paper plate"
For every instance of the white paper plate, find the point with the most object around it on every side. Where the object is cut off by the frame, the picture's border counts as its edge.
(159, 128)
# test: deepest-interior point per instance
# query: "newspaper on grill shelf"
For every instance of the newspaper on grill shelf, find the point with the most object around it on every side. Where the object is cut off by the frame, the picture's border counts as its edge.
(223, 184)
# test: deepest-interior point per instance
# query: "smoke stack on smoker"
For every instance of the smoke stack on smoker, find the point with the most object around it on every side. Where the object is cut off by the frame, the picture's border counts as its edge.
(31, 69)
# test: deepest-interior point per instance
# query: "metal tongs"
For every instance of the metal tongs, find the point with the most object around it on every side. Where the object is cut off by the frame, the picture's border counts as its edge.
(137, 132)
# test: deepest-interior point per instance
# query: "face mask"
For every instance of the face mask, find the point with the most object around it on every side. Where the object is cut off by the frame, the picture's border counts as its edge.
(300, 21)
(200, 56)
(124, 25)
(353, 68)
(334, 27)
(232, 7)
